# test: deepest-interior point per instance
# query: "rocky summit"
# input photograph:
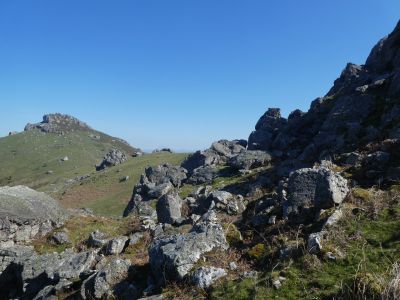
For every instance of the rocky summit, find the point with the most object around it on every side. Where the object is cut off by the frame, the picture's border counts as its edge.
(58, 123)
(307, 208)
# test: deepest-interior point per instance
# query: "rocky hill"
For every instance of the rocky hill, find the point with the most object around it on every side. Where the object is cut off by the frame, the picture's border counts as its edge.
(59, 149)
(307, 208)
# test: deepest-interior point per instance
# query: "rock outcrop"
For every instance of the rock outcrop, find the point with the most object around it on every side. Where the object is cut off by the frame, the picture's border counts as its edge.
(361, 107)
(154, 183)
(112, 158)
(58, 123)
(26, 214)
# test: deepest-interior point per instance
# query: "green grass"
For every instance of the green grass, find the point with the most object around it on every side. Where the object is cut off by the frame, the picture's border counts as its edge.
(105, 193)
(25, 158)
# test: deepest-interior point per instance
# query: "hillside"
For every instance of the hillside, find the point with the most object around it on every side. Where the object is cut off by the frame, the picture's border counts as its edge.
(107, 193)
(35, 157)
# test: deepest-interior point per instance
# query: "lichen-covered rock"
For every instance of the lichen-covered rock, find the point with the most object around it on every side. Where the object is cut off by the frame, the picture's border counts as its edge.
(204, 277)
(97, 239)
(116, 245)
(227, 148)
(169, 208)
(219, 153)
(60, 238)
(166, 173)
(249, 159)
(171, 258)
(25, 214)
(226, 202)
(318, 187)
(201, 158)
(203, 174)
(35, 272)
(104, 283)
(154, 183)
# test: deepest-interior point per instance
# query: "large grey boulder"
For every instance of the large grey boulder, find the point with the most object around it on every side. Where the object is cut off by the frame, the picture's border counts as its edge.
(112, 158)
(219, 153)
(319, 187)
(198, 159)
(169, 208)
(204, 277)
(203, 174)
(250, 159)
(166, 173)
(104, 283)
(171, 258)
(229, 148)
(26, 213)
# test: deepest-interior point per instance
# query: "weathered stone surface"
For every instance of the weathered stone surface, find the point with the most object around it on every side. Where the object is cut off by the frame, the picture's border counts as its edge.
(247, 160)
(97, 239)
(116, 245)
(319, 188)
(25, 214)
(226, 202)
(159, 190)
(204, 277)
(104, 283)
(60, 238)
(171, 258)
(112, 158)
(201, 158)
(203, 174)
(229, 148)
(156, 182)
(219, 153)
(35, 272)
(166, 173)
(169, 208)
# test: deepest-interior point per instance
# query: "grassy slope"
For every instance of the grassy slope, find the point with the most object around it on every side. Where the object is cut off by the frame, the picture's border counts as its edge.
(26, 157)
(105, 193)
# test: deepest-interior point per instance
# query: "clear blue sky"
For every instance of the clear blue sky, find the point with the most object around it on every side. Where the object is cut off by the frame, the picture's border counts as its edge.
(177, 73)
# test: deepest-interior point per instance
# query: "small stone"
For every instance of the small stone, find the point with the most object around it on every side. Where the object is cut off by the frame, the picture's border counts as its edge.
(314, 243)
(206, 276)
(276, 284)
(272, 220)
(330, 256)
(232, 266)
